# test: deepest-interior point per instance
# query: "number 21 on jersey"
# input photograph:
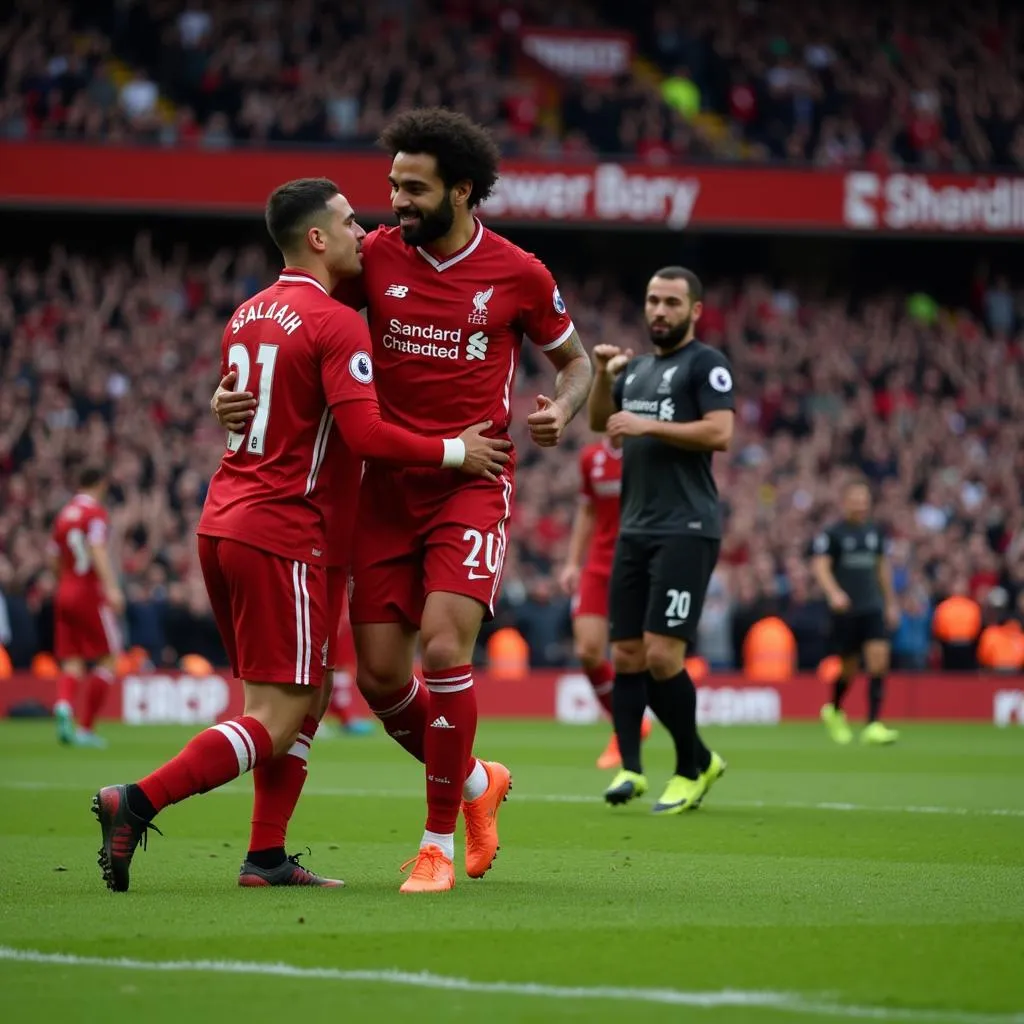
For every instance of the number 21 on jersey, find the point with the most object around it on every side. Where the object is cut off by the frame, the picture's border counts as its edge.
(255, 435)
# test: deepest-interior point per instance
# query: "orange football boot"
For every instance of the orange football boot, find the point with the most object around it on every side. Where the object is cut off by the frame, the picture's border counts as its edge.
(610, 757)
(432, 871)
(481, 817)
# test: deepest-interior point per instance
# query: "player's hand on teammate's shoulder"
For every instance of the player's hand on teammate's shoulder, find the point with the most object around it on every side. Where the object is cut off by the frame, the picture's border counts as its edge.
(611, 359)
(233, 409)
(485, 456)
(547, 422)
(627, 424)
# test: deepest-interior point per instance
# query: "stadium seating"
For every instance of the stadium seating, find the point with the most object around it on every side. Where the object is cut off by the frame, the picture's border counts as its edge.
(830, 83)
(114, 358)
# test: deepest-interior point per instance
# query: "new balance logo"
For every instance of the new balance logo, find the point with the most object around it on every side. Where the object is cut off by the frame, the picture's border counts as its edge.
(397, 291)
(441, 723)
(476, 346)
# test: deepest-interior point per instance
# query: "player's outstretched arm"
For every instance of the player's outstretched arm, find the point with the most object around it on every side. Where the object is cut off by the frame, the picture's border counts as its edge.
(367, 435)
(572, 385)
(609, 362)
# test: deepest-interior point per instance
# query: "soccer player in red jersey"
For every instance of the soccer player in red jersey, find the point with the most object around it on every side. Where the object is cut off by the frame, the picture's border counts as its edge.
(449, 304)
(263, 543)
(87, 606)
(587, 572)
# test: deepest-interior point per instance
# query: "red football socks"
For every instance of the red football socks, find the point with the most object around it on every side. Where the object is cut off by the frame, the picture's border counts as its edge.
(66, 686)
(97, 686)
(405, 716)
(278, 784)
(213, 757)
(448, 743)
(602, 678)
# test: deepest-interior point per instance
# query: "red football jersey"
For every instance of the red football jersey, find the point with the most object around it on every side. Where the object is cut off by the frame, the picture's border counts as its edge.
(446, 333)
(601, 472)
(288, 485)
(82, 521)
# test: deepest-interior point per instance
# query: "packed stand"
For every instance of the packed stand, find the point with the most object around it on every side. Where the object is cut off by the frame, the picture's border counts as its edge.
(115, 360)
(838, 85)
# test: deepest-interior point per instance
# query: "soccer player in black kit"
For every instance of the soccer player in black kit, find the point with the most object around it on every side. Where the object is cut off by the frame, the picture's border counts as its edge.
(851, 567)
(674, 409)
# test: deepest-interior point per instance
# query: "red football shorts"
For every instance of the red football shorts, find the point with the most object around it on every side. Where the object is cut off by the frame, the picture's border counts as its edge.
(421, 531)
(271, 612)
(84, 628)
(592, 596)
(341, 649)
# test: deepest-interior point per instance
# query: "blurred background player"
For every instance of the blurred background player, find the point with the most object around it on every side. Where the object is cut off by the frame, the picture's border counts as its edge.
(675, 409)
(343, 659)
(263, 543)
(852, 569)
(87, 606)
(587, 572)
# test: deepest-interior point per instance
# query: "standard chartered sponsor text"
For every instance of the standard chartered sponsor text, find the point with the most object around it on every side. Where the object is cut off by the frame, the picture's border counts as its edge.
(423, 340)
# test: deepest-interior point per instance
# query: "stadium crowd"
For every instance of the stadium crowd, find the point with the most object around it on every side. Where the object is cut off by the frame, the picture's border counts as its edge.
(925, 84)
(114, 360)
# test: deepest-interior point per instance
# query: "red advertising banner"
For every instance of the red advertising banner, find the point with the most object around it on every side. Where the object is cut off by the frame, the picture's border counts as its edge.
(583, 54)
(530, 192)
(727, 699)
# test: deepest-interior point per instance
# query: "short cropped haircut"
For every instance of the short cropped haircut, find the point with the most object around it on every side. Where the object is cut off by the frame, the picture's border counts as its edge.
(91, 476)
(682, 274)
(464, 150)
(294, 206)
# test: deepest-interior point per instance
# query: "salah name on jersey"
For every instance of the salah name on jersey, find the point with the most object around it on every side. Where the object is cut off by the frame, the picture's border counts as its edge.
(286, 483)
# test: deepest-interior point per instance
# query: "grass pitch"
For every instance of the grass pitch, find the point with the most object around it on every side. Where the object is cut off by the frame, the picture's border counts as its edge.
(815, 883)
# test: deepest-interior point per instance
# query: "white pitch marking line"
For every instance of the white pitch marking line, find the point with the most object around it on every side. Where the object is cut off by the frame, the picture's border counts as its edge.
(572, 798)
(786, 1001)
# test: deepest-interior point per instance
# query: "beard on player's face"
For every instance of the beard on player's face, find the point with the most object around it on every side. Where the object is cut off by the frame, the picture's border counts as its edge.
(665, 336)
(428, 225)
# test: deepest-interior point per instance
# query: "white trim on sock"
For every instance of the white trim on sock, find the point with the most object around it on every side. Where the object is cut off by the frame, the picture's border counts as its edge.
(403, 703)
(476, 782)
(447, 843)
(237, 743)
(300, 748)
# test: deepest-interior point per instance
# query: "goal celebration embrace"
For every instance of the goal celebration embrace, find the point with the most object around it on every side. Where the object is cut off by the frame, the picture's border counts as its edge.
(341, 429)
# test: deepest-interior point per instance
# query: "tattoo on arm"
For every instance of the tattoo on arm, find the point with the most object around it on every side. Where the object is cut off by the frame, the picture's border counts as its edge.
(575, 374)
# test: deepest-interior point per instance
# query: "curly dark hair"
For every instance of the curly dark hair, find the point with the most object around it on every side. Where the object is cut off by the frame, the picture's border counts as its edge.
(464, 151)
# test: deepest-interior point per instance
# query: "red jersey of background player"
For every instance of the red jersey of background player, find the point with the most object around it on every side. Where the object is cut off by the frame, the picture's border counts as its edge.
(601, 472)
(82, 521)
(446, 333)
(293, 346)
